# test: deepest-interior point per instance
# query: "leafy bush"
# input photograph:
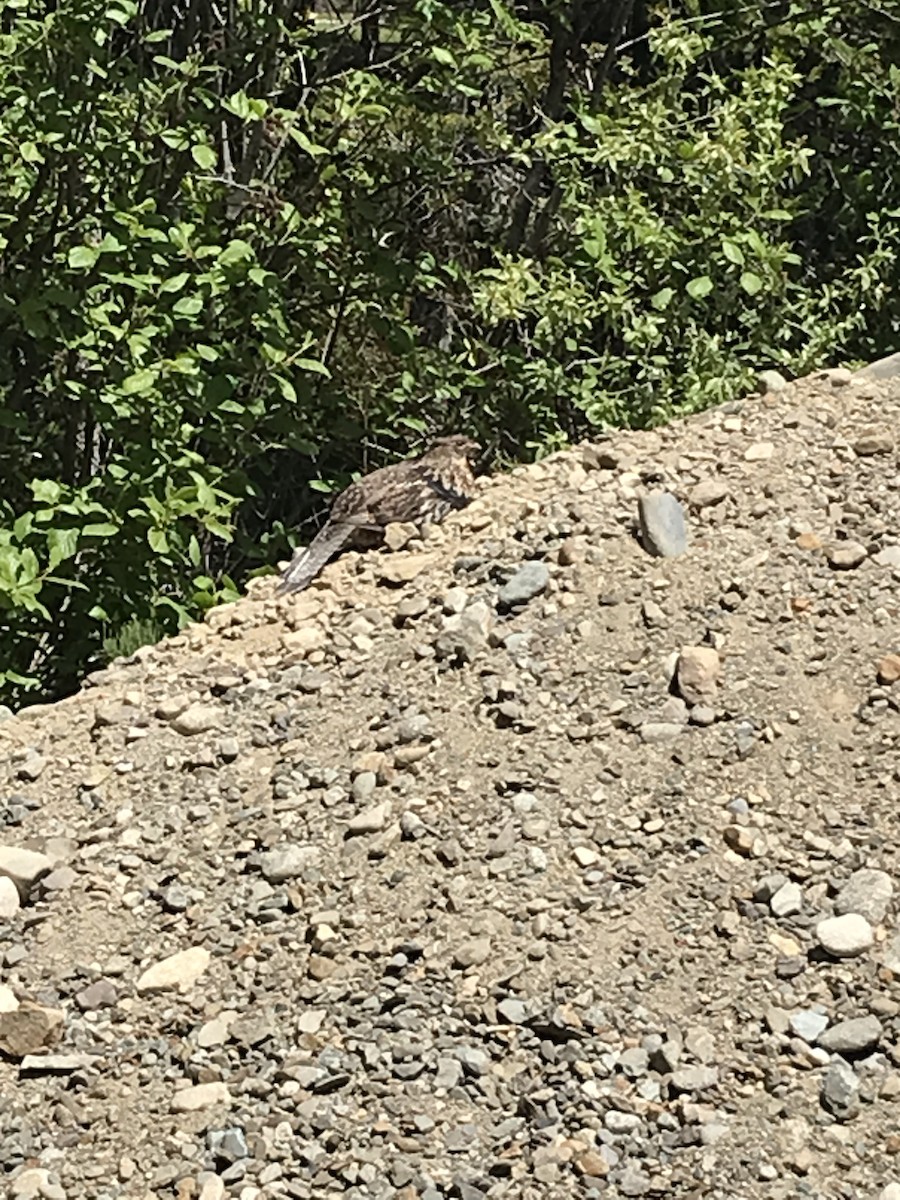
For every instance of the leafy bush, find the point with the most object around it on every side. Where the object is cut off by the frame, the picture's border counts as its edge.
(241, 261)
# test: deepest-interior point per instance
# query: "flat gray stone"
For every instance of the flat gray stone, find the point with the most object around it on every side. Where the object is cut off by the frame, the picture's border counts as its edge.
(529, 581)
(882, 368)
(868, 892)
(840, 1088)
(662, 524)
(854, 1036)
(808, 1024)
(287, 862)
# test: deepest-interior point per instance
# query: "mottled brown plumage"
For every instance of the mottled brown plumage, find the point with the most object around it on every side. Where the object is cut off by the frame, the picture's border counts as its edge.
(424, 489)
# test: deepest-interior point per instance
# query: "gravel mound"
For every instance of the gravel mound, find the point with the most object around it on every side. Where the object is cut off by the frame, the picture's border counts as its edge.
(547, 853)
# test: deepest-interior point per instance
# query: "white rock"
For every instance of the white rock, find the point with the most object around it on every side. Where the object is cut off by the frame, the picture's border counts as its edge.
(181, 970)
(201, 1095)
(845, 936)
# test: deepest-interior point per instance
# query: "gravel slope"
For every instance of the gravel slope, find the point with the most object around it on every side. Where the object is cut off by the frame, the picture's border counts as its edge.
(508, 862)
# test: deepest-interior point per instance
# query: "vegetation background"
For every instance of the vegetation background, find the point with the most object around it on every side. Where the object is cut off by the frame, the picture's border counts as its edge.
(249, 247)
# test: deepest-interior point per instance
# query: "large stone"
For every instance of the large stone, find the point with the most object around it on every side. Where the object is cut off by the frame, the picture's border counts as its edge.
(662, 525)
(201, 1095)
(845, 936)
(288, 861)
(30, 1028)
(697, 673)
(868, 892)
(855, 1036)
(23, 867)
(181, 970)
(529, 581)
(196, 718)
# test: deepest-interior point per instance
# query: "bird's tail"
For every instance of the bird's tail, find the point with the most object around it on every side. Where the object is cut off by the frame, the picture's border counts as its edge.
(309, 560)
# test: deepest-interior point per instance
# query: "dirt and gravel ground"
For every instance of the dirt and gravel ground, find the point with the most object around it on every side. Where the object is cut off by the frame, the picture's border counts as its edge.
(509, 861)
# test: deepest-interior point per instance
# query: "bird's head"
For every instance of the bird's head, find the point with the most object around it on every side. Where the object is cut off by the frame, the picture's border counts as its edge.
(457, 445)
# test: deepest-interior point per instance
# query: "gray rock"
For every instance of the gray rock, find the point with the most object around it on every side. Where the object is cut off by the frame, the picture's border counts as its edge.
(854, 1036)
(694, 1079)
(770, 381)
(840, 1090)
(845, 936)
(868, 892)
(787, 901)
(196, 718)
(882, 368)
(513, 1011)
(845, 556)
(529, 581)
(662, 525)
(287, 861)
(228, 1144)
(23, 867)
(808, 1024)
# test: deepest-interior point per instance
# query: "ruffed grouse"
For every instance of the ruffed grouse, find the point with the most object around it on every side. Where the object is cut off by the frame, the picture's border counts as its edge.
(424, 489)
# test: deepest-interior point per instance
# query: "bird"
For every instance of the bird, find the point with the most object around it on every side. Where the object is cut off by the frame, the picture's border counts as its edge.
(423, 489)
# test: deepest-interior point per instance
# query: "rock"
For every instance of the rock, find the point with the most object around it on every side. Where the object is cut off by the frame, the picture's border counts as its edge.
(874, 441)
(845, 936)
(882, 368)
(787, 900)
(868, 892)
(840, 1089)
(662, 524)
(181, 970)
(529, 581)
(808, 1025)
(770, 381)
(473, 953)
(837, 376)
(889, 669)
(759, 452)
(708, 493)
(35, 1183)
(845, 556)
(33, 768)
(288, 861)
(30, 1028)
(56, 1064)
(372, 820)
(196, 718)
(101, 993)
(694, 1079)
(201, 1095)
(9, 899)
(24, 868)
(403, 568)
(8, 1001)
(855, 1036)
(229, 1145)
(888, 557)
(697, 674)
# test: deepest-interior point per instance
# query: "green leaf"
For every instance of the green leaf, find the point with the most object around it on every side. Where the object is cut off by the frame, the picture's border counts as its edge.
(61, 544)
(699, 287)
(159, 543)
(30, 153)
(45, 491)
(751, 283)
(443, 56)
(102, 529)
(733, 252)
(237, 251)
(175, 283)
(188, 306)
(311, 364)
(662, 298)
(83, 257)
(287, 390)
(139, 382)
(204, 156)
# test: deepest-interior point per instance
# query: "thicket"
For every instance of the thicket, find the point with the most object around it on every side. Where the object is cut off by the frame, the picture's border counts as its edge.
(249, 247)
